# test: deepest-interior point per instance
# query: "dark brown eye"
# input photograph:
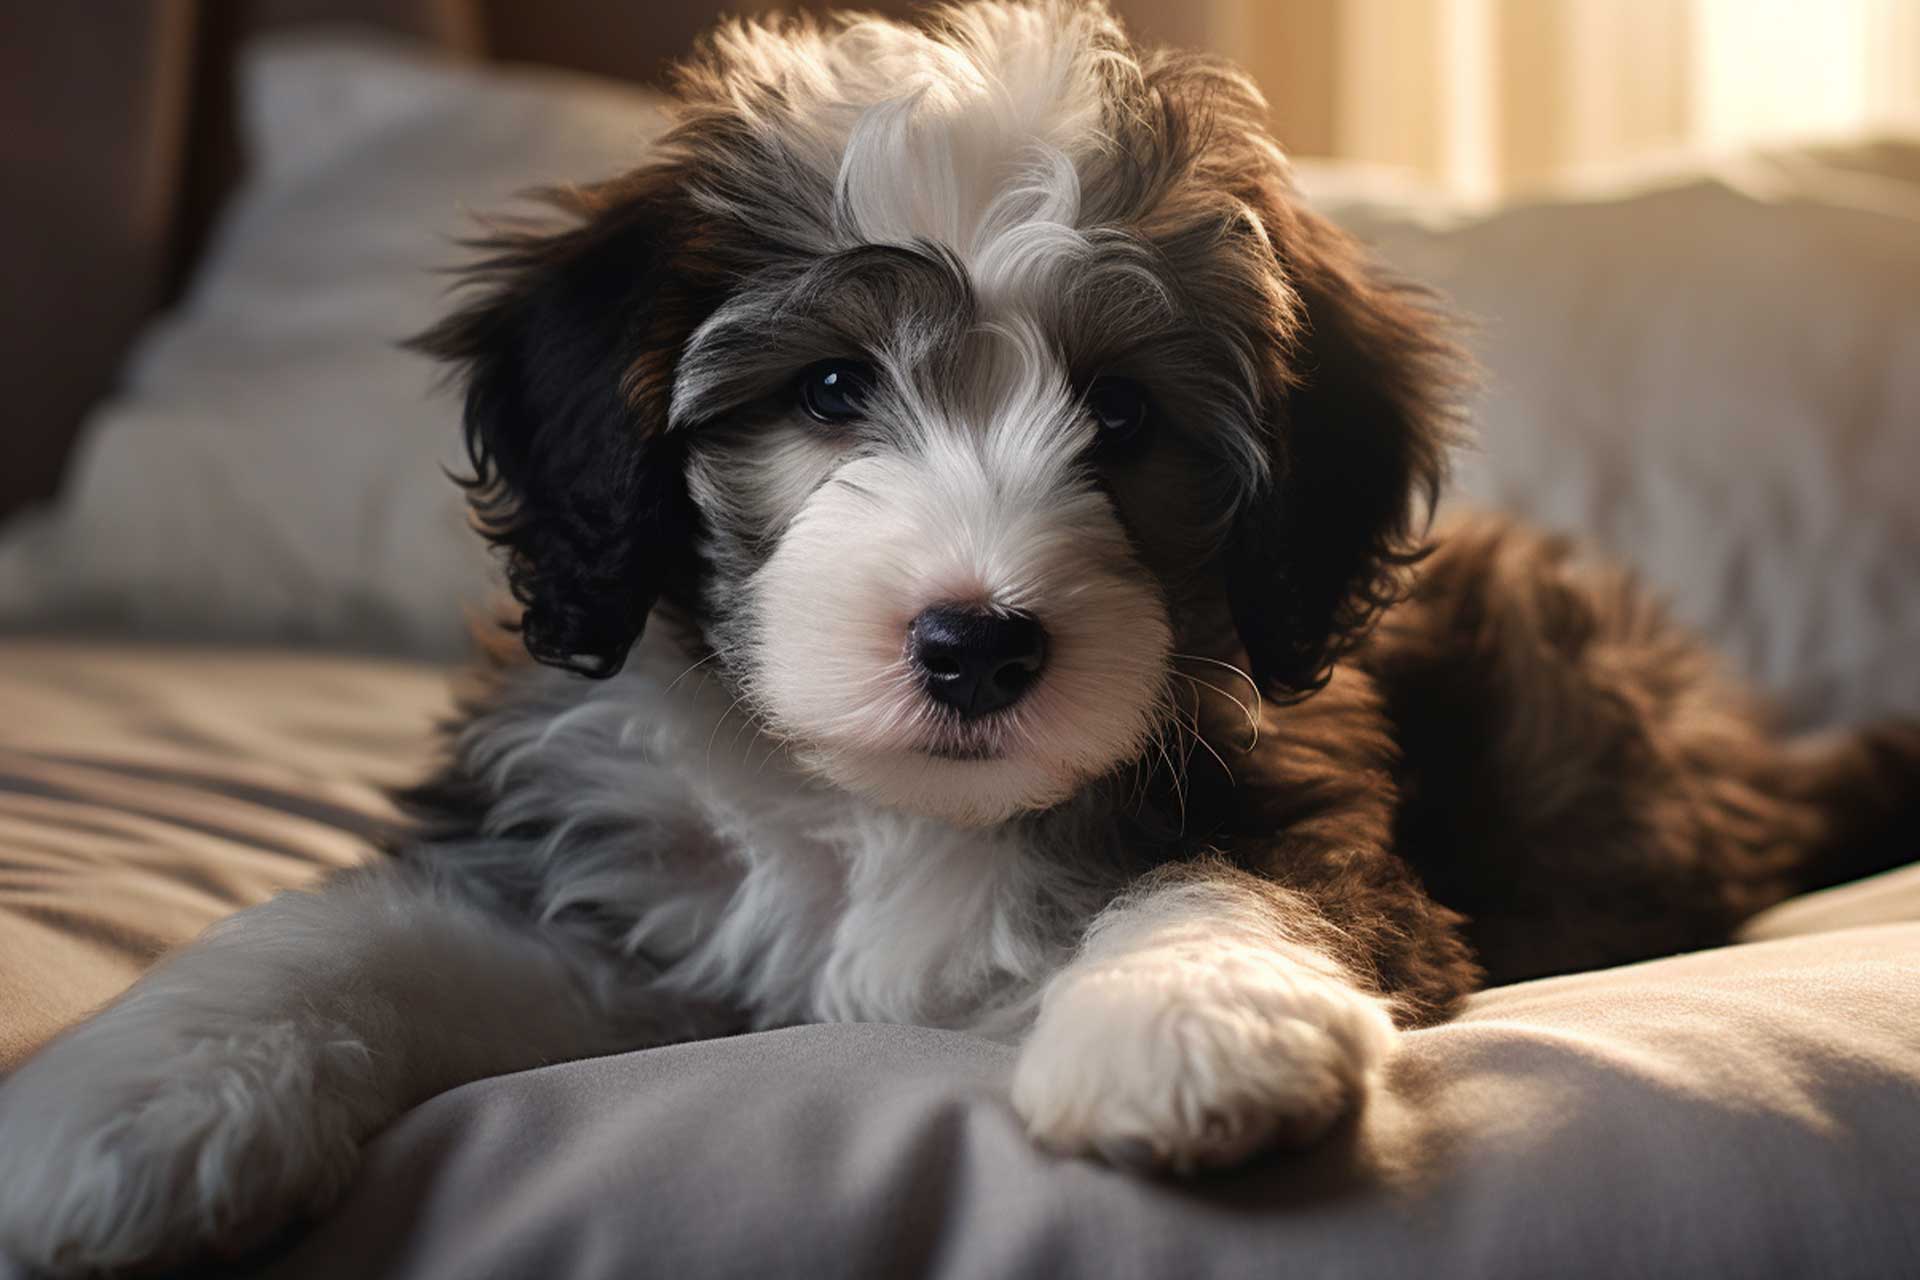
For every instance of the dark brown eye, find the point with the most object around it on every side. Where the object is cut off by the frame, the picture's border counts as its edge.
(1119, 409)
(835, 390)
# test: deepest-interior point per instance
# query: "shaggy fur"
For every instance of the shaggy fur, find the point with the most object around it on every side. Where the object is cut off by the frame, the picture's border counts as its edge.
(1278, 785)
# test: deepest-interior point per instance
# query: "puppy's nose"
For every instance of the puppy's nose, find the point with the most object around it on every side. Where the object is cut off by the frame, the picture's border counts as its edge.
(975, 660)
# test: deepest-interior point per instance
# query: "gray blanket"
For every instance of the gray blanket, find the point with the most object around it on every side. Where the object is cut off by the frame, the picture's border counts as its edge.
(1743, 1112)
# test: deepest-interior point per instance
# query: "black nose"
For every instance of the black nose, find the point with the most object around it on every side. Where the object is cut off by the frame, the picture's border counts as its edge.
(974, 660)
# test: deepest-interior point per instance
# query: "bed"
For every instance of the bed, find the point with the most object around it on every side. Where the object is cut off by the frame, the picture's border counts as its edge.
(237, 624)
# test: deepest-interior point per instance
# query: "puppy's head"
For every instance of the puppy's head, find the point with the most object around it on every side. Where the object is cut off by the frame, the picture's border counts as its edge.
(956, 381)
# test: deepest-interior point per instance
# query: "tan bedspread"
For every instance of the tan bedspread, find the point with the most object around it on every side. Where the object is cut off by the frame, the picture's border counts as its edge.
(145, 793)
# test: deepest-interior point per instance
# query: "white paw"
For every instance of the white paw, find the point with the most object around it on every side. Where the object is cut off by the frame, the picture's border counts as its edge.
(1153, 1059)
(132, 1143)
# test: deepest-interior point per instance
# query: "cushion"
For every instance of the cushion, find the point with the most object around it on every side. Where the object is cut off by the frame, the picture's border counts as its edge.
(1749, 1111)
(1715, 375)
(272, 468)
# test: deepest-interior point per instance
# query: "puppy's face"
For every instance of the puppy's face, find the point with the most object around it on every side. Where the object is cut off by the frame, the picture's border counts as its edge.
(919, 566)
(954, 381)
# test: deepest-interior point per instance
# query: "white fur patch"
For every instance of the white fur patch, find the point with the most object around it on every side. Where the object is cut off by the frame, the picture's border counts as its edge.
(1193, 1029)
(951, 136)
(718, 860)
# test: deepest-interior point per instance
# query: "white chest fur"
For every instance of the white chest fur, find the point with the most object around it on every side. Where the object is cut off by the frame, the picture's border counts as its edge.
(695, 843)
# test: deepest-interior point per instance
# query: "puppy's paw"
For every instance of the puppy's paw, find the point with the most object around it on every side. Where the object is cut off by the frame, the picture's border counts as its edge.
(135, 1146)
(1159, 1061)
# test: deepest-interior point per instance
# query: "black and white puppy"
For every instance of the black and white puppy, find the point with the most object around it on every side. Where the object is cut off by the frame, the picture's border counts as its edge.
(1007, 474)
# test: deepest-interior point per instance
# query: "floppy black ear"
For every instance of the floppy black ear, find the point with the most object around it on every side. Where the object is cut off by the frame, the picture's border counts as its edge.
(567, 358)
(1363, 420)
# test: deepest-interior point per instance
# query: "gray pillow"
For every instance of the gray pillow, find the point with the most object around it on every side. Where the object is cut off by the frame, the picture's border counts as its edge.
(271, 469)
(1751, 1111)
(1715, 375)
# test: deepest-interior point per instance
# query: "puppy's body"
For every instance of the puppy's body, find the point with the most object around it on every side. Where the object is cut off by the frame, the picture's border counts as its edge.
(1017, 476)
(1623, 801)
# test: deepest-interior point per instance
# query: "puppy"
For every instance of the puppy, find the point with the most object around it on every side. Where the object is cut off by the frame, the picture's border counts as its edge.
(1007, 474)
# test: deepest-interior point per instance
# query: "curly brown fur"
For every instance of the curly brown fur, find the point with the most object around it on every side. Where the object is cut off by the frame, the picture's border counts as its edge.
(1582, 781)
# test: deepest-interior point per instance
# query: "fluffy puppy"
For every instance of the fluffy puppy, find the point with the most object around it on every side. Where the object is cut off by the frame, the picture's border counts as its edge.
(1007, 473)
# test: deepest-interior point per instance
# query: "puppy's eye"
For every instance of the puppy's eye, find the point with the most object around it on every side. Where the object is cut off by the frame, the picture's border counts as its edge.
(1119, 409)
(835, 390)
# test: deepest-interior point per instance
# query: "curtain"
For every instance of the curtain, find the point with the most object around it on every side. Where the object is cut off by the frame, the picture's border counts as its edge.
(1489, 97)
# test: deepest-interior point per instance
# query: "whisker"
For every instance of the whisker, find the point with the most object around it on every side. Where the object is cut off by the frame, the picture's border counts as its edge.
(1225, 666)
(690, 670)
(1176, 773)
(776, 742)
(724, 717)
(1253, 723)
(1200, 739)
(750, 720)
(1259, 702)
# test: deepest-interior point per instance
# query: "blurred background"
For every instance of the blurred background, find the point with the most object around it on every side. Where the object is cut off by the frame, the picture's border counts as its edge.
(120, 129)
(1686, 234)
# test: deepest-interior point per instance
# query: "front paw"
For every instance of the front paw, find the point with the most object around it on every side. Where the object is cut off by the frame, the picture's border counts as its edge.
(134, 1145)
(1154, 1060)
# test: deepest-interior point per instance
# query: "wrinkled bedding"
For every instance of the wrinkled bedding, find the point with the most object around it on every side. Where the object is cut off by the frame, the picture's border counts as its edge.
(145, 793)
(1748, 1111)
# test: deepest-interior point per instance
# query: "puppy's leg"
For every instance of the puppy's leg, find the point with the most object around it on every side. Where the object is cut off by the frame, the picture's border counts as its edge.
(1205, 1017)
(230, 1088)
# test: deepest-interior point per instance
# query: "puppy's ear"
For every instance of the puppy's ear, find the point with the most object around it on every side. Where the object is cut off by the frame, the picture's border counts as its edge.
(1365, 411)
(567, 357)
